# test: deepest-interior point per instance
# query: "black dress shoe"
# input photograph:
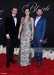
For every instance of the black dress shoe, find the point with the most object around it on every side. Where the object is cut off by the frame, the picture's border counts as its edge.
(7, 65)
(12, 61)
(39, 64)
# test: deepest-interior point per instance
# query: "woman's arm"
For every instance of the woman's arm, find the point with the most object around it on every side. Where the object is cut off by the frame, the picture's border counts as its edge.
(32, 24)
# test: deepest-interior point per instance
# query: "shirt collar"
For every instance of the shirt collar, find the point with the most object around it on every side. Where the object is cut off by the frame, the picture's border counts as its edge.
(13, 15)
(38, 17)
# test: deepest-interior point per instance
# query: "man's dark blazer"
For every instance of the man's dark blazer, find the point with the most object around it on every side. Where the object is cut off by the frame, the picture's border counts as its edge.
(10, 27)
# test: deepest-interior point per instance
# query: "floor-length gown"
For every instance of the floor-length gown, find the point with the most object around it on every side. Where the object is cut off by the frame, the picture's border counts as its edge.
(25, 47)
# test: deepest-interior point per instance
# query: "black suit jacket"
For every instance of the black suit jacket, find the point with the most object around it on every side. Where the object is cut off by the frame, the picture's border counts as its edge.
(10, 27)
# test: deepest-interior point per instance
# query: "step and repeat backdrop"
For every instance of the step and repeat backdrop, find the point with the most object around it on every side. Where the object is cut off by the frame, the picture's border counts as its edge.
(48, 8)
(47, 5)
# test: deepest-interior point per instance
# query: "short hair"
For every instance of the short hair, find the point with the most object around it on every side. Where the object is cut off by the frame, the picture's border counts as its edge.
(13, 7)
(39, 8)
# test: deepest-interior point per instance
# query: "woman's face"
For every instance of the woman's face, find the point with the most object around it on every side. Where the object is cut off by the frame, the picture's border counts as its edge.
(27, 12)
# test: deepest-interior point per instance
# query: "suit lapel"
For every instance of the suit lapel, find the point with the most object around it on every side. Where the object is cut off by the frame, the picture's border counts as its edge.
(38, 22)
(13, 20)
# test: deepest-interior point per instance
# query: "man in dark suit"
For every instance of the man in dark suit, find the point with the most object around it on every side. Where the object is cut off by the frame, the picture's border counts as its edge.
(11, 30)
(39, 34)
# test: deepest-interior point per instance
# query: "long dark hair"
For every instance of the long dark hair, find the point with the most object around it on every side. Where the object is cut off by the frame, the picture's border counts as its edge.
(25, 9)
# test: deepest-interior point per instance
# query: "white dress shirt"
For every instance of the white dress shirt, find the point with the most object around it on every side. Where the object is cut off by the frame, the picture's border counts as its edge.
(15, 19)
(37, 19)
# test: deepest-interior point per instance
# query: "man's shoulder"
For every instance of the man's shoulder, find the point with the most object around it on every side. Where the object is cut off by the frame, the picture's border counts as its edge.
(43, 18)
(9, 16)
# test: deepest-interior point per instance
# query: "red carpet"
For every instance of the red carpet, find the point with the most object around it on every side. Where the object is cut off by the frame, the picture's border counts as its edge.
(47, 68)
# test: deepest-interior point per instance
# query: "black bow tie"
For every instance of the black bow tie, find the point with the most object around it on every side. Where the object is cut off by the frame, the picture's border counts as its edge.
(14, 17)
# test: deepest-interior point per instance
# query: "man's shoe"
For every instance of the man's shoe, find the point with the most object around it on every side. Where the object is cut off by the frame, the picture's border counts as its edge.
(39, 64)
(7, 65)
(12, 61)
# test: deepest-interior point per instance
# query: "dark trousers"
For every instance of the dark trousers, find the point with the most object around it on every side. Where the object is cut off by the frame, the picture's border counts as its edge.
(38, 50)
(10, 50)
(38, 57)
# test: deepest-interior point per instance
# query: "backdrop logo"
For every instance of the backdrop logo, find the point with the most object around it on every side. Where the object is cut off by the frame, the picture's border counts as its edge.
(33, 7)
(1, 19)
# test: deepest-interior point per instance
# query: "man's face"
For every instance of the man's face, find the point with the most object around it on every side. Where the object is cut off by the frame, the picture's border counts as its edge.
(39, 12)
(14, 11)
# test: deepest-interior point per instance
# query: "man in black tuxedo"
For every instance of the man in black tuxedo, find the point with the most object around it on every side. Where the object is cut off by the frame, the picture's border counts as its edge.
(11, 30)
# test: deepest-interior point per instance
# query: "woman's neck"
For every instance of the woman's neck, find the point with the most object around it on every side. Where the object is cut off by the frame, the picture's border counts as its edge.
(26, 17)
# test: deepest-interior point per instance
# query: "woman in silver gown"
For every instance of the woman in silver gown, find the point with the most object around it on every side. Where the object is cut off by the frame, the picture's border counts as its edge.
(25, 35)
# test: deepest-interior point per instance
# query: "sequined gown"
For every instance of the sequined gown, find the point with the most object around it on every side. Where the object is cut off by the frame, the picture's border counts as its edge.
(25, 48)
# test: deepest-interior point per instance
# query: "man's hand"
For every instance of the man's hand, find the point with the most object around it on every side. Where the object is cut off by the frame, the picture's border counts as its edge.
(41, 40)
(7, 36)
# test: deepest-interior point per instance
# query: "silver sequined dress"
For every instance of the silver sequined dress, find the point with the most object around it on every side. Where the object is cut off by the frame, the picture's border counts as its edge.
(25, 47)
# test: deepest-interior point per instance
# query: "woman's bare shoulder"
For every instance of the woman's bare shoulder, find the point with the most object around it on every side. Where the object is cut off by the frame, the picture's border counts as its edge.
(32, 19)
(22, 17)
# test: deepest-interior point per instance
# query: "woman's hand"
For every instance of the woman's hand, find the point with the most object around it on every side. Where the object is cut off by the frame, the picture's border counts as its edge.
(18, 36)
(31, 38)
